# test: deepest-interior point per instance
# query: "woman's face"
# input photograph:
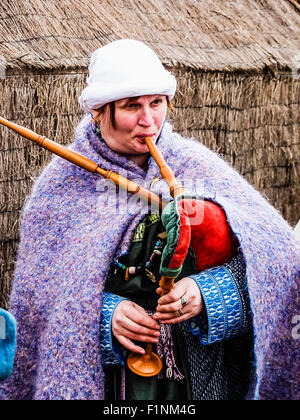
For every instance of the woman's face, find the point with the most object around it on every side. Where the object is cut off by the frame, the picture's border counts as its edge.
(135, 118)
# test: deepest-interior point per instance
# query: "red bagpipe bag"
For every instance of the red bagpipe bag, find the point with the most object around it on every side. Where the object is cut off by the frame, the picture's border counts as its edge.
(201, 225)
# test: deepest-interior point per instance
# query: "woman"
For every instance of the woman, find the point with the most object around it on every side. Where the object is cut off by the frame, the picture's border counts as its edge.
(133, 119)
(90, 255)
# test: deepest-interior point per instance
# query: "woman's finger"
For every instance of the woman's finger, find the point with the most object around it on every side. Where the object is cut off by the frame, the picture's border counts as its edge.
(132, 329)
(173, 317)
(138, 315)
(165, 316)
(172, 307)
(127, 310)
(174, 294)
(142, 338)
(129, 345)
(176, 319)
(129, 324)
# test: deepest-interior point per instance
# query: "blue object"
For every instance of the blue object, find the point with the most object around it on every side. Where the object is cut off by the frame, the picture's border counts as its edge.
(8, 332)
(224, 306)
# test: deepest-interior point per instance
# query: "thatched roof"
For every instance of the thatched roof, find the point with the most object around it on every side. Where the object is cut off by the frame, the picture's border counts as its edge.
(208, 35)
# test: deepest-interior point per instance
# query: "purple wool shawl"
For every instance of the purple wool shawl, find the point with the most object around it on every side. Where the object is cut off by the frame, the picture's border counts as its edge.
(72, 230)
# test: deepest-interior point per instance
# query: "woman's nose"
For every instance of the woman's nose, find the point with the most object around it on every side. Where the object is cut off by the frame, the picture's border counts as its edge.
(146, 117)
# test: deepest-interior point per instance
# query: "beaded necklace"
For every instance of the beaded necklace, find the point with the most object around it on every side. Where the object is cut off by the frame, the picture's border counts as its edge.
(146, 267)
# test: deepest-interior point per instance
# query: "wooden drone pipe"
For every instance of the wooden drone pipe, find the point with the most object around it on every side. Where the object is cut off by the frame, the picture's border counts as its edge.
(73, 157)
(149, 364)
(176, 189)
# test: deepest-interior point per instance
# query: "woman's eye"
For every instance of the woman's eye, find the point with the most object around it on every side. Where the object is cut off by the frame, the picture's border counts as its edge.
(133, 106)
(157, 101)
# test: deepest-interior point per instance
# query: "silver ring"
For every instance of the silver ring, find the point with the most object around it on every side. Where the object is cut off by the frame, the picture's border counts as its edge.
(183, 302)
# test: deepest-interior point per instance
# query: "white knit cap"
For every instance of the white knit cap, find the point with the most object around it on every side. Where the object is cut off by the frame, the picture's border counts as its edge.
(125, 69)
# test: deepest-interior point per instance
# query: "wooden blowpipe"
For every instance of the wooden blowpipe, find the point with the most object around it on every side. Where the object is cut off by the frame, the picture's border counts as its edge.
(73, 157)
(165, 170)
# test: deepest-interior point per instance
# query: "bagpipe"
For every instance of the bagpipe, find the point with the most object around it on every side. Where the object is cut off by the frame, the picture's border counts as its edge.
(189, 222)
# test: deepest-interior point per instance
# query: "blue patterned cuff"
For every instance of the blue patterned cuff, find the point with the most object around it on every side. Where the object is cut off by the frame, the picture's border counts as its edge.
(224, 306)
(110, 352)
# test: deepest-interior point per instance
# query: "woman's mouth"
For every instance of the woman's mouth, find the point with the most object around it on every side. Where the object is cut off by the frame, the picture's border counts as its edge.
(141, 139)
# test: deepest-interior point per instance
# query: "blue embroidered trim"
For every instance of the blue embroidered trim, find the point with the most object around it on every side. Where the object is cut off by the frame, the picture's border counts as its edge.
(224, 307)
(110, 353)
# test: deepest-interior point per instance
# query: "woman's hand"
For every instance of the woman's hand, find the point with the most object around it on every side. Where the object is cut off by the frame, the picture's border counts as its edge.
(183, 302)
(131, 322)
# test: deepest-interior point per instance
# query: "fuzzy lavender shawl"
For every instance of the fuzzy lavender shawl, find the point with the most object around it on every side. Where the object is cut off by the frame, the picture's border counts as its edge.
(71, 233)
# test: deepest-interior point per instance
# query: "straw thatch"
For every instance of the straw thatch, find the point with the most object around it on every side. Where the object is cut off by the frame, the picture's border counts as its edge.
(236, 65)
(210, 35)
